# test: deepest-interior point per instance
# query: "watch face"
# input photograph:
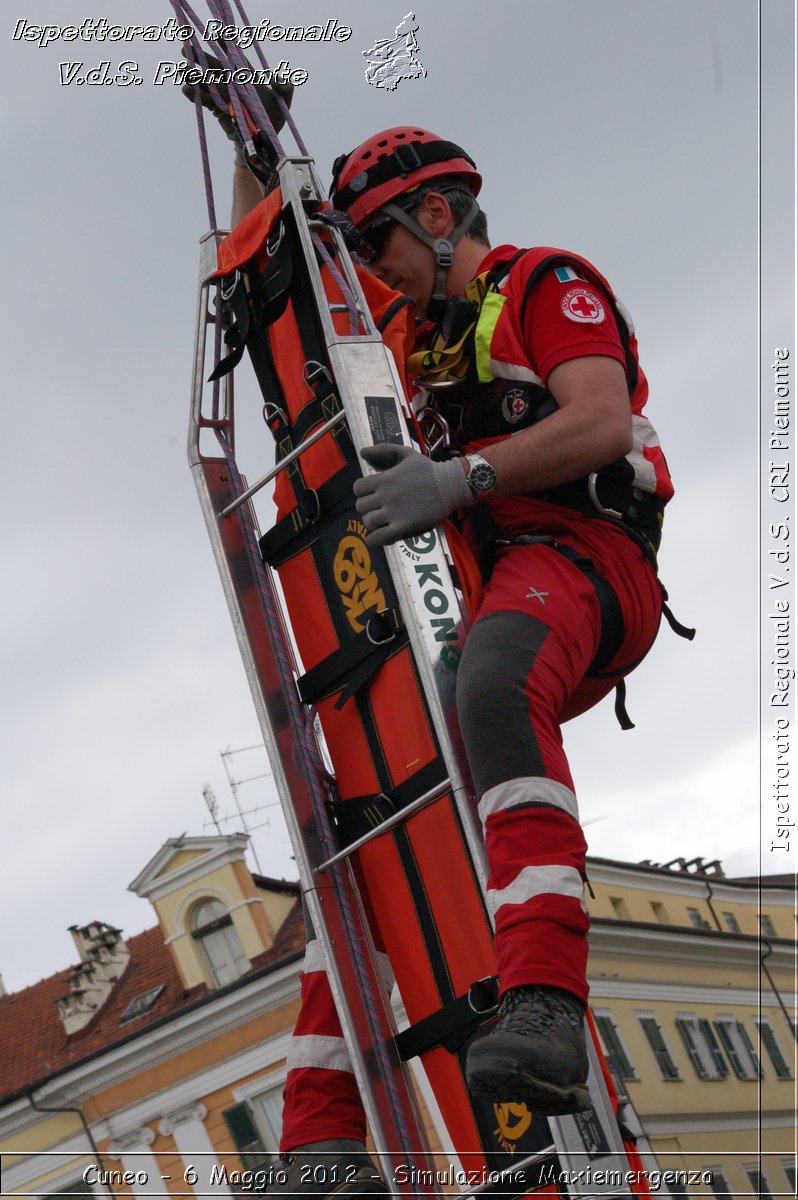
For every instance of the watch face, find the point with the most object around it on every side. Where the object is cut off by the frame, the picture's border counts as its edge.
(481, 477)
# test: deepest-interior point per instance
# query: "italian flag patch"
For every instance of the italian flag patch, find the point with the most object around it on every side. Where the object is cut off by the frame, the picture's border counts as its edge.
(567, 274)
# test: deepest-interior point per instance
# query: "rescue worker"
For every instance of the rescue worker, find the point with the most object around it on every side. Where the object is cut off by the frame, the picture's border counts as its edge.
(559, 481)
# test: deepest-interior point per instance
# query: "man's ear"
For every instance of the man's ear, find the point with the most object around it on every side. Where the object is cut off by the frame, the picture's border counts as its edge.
(435, 215)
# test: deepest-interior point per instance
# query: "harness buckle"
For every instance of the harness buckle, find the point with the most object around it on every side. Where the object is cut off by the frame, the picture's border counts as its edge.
(433, 425)
(489, 981)
(274, 239)
(313, 372)
(228, 290)
(273, 412)
(379, 641)
(443, 250)
(592, 492)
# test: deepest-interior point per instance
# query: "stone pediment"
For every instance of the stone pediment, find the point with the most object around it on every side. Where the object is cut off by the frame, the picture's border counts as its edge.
(182, 859)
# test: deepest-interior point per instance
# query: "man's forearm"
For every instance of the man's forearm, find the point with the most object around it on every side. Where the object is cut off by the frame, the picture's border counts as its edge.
(247, 192)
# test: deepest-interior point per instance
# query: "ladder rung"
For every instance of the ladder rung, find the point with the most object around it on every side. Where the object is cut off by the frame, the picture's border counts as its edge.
(283, 463)
(397, 819)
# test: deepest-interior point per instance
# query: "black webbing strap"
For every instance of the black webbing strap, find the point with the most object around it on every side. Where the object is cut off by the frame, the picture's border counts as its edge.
(359, 815)
(254, 307)
(296, 530)
(612, 627)
(451, 1025)
(351, 666)
(682, 631)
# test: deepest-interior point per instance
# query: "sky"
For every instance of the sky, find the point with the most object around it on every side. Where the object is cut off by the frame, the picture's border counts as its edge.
(625, 130)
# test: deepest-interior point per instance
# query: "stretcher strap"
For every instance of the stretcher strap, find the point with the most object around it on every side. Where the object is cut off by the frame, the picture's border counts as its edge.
(295, 531)
(453, 1024)
(351, 666)
(359, 815)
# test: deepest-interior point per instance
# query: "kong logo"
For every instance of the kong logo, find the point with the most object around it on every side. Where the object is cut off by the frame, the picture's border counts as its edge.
(356, 578)
(433, 589)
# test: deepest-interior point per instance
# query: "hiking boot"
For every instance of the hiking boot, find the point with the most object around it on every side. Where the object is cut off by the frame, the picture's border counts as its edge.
(338, 1167)
(536, 1055)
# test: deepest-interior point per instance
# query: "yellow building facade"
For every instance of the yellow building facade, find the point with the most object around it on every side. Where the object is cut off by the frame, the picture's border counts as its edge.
(155, 1066)
(693, 991)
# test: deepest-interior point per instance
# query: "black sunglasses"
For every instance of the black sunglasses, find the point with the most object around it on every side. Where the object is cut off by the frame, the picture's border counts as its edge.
(374, 236)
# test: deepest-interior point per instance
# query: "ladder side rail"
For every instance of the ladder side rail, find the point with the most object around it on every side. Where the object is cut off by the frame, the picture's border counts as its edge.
(362, 367)
(332, 897)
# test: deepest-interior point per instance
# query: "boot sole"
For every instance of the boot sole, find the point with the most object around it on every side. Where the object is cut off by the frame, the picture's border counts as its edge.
(509, 1082)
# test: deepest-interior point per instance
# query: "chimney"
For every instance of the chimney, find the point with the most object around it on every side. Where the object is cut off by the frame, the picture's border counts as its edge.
(103, 958)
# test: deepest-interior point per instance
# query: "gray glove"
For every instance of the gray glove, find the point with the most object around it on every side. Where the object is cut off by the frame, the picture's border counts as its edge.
(410, 494)
(267, 94)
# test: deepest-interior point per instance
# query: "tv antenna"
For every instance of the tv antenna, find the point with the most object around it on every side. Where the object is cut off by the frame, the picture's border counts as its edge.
(240, 816)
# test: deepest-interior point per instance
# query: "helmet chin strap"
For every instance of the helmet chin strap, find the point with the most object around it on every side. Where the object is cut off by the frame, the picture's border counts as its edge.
(442, 248)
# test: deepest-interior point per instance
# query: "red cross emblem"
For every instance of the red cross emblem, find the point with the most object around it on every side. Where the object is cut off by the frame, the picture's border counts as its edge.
(582, 305)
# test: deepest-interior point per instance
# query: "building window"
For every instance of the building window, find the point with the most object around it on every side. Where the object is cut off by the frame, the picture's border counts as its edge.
(759, 1185)
(660, 912)
(768, 1039)
(615, 1051)
(731, 922)
(659, 1049)
(619, 908)
(766, 926)
(78, 1188)
(788, 1167)
(268, 1110)
(720, 1184)
(247, 1137)
(141, 1005)
(213, 929)
(702, 1047)
(739, 1048)
(696, 920)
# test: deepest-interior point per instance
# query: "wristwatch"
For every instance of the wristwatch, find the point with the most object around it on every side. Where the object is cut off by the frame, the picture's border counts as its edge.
(481, 477)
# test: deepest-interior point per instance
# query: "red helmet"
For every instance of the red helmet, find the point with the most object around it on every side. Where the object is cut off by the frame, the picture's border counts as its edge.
(392, 162)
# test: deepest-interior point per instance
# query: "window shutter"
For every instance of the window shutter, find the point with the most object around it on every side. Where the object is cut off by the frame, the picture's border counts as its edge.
(247, 1140)
(653, 1033)
(78, 1188)
(616, 1054)
(780, 1064)
(686, 1031)
(743, 1032)
(714, 1049)
(724, 1033)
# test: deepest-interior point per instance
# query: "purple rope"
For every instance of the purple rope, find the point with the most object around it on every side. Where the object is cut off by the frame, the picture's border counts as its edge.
(284, 109)
(346, 292)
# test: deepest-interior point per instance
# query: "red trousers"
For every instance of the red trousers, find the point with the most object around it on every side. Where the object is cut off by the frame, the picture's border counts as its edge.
(525, 669)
